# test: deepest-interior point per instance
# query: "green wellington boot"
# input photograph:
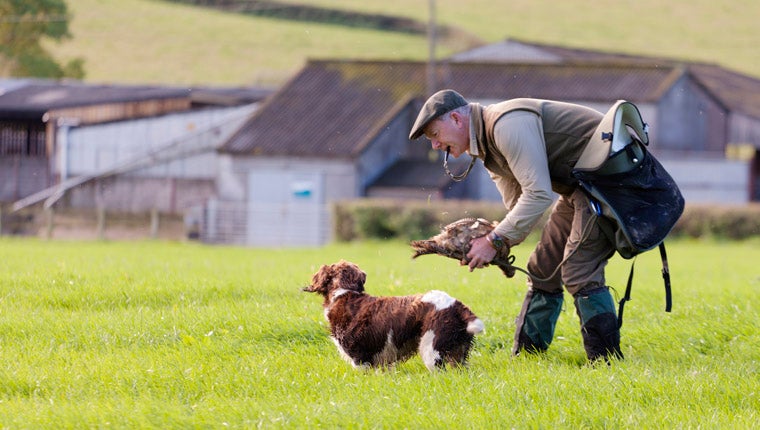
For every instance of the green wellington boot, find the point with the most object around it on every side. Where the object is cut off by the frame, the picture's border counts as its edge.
(535, 324)
(599, 324)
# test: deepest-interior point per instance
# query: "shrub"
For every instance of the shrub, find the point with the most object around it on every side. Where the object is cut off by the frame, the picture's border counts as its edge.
(728, 222)
(409, 220)
(374, 222)
(417, 223)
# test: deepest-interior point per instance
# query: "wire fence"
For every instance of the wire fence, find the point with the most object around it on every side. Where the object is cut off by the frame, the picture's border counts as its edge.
(266, 225)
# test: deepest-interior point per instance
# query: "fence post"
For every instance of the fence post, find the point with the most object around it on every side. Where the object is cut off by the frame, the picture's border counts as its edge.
(154, 223)
(210, 220)
(101, 216)
(49, 221)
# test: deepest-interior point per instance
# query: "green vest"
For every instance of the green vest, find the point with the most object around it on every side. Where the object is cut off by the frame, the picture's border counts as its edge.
(567, 129)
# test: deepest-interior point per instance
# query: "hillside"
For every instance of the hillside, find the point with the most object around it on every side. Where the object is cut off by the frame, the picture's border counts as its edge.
(152, 41)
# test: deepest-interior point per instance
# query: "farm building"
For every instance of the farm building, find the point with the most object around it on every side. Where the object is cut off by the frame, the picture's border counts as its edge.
(124, 148)
(263, 170)
(338, 130)
(729, 153)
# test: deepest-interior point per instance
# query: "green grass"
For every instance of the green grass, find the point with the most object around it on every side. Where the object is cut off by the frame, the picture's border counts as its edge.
(174, 335)
(151, 41)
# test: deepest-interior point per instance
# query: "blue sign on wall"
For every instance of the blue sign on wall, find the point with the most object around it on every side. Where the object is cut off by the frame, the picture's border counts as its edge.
(302, 189)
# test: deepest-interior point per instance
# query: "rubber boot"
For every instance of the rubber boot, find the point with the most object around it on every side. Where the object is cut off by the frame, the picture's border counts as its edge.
(536, 322)
(599, 324)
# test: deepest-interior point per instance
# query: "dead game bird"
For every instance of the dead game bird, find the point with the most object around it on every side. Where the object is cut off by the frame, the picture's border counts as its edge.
(454, 242)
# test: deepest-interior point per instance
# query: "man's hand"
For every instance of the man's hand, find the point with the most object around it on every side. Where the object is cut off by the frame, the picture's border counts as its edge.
(481, 253)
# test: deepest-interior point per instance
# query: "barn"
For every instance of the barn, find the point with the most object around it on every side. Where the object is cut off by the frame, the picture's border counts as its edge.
(122, 148)
(338, 130)
(260, 168)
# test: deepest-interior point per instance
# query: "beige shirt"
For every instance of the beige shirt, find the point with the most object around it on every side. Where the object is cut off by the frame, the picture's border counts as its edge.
(529, 147)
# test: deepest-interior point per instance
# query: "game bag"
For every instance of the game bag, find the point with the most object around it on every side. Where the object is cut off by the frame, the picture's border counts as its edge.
(630, 189)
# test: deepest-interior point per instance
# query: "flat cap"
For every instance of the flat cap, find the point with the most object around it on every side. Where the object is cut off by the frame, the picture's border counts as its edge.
(438, 104)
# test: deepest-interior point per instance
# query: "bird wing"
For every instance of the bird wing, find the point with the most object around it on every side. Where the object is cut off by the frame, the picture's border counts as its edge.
(454, 242)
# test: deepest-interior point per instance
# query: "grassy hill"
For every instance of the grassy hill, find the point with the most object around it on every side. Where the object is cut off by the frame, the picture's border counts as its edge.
(152, 41)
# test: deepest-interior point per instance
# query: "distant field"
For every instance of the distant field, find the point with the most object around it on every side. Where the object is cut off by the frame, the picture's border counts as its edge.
(175, 335)
(150, 41)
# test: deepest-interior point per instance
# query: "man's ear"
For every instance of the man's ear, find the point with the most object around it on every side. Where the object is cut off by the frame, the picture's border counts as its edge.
(457, 118)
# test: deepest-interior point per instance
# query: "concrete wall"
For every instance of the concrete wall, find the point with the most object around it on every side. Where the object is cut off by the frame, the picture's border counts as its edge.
(710, 181)
(99, 148)
(166, 163)
(276, 201)
(232, 180)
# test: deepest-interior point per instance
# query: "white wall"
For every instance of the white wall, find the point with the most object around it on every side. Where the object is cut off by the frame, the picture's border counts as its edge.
(277, 201)
(710, 180)
(97, 148)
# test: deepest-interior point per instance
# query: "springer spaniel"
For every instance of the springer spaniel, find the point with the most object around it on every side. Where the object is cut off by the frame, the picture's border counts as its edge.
(379, 331)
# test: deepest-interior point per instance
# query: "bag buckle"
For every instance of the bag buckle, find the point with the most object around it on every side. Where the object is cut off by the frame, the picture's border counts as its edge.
(595, 206)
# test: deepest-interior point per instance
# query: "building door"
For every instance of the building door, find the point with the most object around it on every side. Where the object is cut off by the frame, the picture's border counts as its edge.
(286, 208)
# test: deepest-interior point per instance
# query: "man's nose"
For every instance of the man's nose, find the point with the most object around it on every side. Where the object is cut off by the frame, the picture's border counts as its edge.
(435, 144)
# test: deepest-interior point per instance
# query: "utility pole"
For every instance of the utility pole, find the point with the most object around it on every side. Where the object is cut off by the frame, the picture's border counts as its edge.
(431, 81)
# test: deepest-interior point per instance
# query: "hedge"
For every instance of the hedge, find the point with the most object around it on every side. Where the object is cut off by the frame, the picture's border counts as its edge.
(409, 220)
(723, 222)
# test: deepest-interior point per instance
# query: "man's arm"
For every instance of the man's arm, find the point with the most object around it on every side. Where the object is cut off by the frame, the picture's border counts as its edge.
(519, 137)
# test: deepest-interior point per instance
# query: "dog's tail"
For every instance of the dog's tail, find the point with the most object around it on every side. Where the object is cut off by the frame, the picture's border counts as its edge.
(475, 326)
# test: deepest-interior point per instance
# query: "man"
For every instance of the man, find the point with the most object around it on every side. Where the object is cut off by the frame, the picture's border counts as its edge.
(530, 147)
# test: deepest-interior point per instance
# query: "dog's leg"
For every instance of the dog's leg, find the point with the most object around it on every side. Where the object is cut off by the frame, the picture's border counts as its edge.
(346, 356)
(448, 337)
(457, 356)
(388, 355)
(430, 356)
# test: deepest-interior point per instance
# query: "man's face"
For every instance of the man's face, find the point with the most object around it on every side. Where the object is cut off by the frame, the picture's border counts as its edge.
(448, 132)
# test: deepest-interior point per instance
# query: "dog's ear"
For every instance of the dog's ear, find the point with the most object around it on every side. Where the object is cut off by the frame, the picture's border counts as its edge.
(362, 278)
(350, 276)
(320, 282)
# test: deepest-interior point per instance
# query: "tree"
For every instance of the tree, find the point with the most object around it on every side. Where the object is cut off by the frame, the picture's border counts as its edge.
(24, 24)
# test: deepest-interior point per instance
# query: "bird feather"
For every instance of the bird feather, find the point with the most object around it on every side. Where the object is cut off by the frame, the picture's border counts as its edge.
(454, 241)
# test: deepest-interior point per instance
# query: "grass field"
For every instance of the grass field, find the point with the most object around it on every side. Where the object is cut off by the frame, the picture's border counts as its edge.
(151, 41)
(181, 335)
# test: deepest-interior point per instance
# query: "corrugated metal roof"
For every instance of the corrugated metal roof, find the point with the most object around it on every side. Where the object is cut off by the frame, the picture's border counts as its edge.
(507, 51)
(515, 51)
(232, 96)
(34, 99)
(328, 109)
(737, 92)
(598, 82)
(568, 54)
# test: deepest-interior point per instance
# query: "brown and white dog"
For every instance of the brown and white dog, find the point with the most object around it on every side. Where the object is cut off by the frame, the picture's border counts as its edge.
(379, 331)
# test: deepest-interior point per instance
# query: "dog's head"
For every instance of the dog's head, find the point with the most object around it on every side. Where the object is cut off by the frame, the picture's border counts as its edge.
(343, 274)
